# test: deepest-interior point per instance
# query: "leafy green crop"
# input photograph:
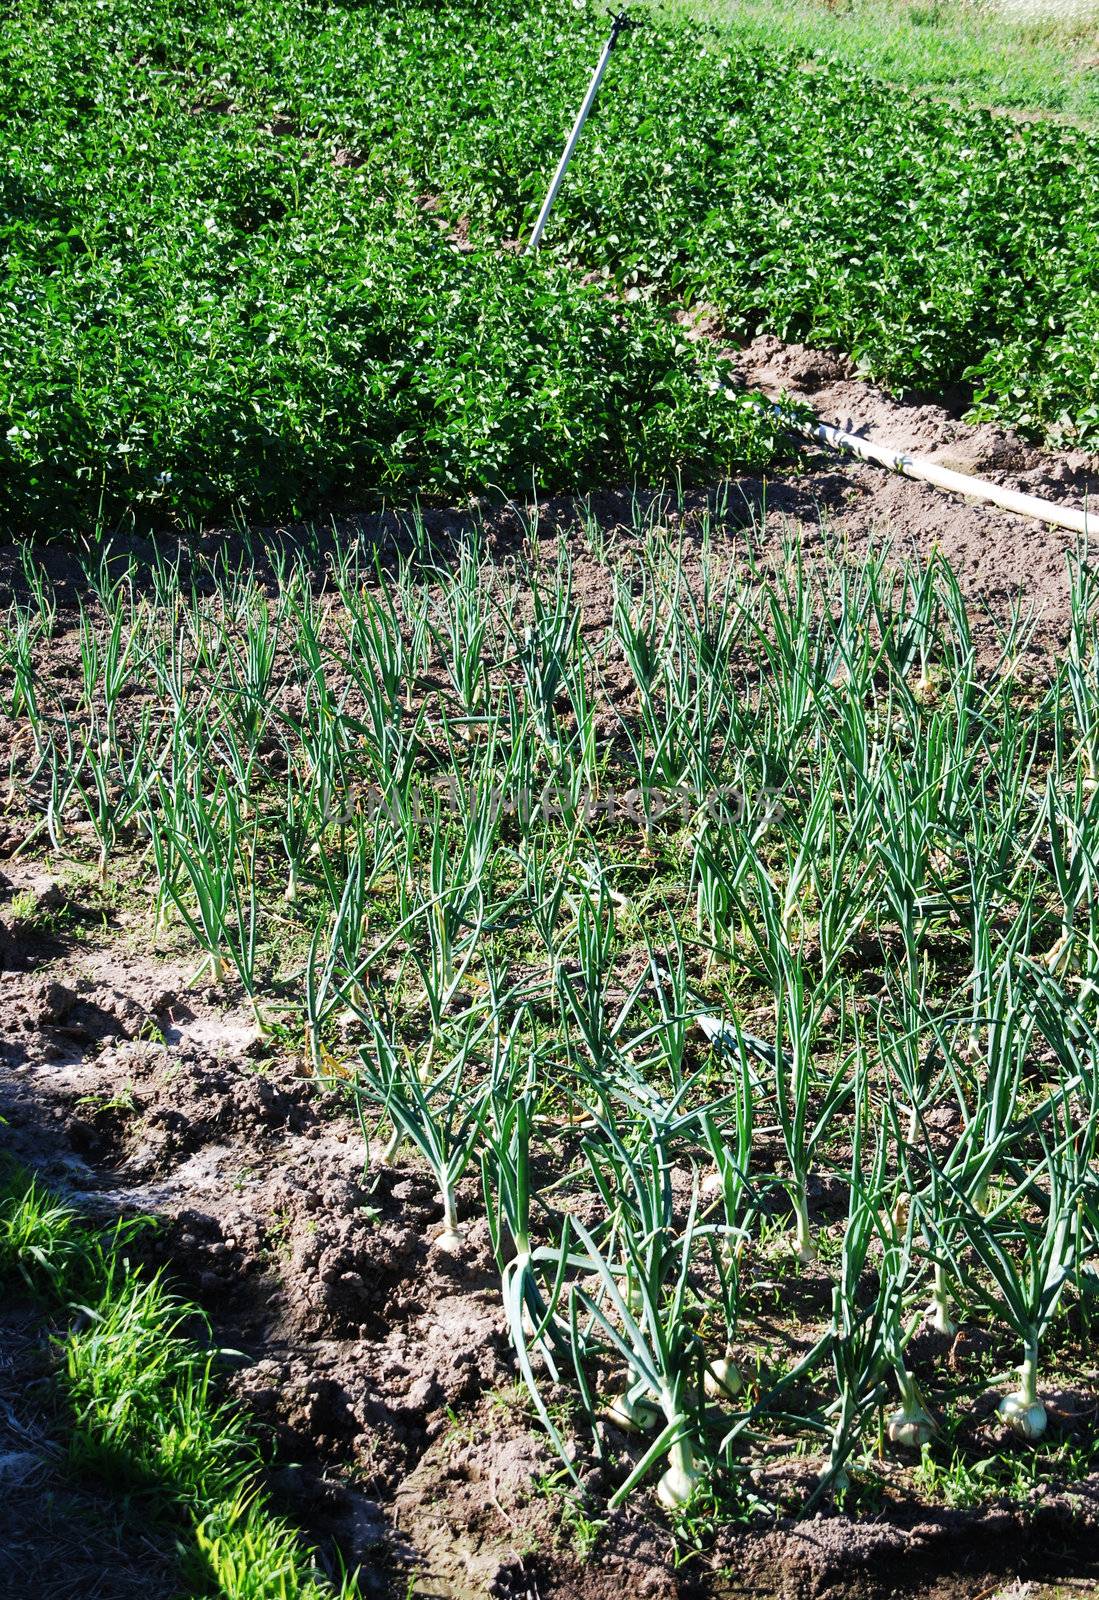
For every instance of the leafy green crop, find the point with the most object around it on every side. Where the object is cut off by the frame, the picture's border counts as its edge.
(260, 255)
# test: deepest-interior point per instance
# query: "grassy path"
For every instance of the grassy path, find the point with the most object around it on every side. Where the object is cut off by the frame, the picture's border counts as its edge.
(1024, 57)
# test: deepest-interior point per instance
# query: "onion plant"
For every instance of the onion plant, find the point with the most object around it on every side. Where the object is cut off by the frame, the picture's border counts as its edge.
(18, 635)
(40, 588)
(322, 729)
(1081, 665)
(107, 665)
(385, 635)
(384, 658)
(584, 984)
(909, 1051)
(251, 689)
(444, 1113)
(796, 662)
(1072, 822)
(532, 1277)
(641, 628)
(334, 962)
(907, 609)
(1030, 1241)
(905, 834)
(215, 851)
(461, 629)
(113, 780)
(862, 1340)
(547, 650)
(462, 838)
(648, 1328)
(66, 752)
(806, 1099)
(728, 1135)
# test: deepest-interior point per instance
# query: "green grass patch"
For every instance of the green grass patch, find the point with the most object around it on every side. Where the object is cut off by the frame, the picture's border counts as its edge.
(1023, 57)
(144, 1412)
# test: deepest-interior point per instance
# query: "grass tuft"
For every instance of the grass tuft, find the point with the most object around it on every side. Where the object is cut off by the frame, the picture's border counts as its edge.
(144, 1413)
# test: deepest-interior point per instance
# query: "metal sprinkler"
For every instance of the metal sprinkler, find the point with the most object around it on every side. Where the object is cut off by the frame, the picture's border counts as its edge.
(621, 22)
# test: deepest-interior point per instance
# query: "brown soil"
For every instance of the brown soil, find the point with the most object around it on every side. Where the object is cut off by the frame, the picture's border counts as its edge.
(1001, 559)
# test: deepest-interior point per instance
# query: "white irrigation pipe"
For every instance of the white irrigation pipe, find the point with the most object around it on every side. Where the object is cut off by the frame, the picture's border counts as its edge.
(1024, 505)
(619, 24)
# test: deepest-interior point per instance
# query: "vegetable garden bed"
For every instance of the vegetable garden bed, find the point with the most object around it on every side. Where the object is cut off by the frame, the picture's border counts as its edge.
(598, 995)
(719, 962)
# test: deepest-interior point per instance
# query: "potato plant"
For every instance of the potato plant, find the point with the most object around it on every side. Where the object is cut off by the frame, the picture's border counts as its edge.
(262, 257)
